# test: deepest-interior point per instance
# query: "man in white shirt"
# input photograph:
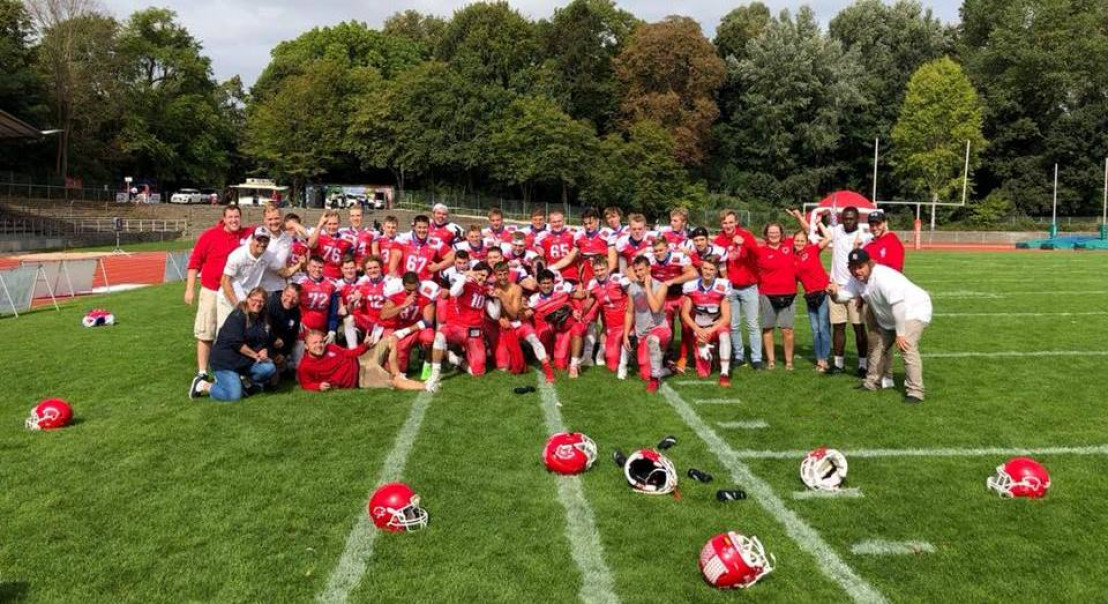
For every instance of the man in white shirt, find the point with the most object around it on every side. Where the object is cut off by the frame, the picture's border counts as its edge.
(902, 310)
(248, 266)
(280, 245)
(846, 237)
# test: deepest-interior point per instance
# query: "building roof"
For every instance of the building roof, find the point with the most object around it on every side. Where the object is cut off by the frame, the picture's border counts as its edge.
(13, 127)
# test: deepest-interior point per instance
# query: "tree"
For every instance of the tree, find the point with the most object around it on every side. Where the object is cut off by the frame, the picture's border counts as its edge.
(426, 31)
(785, 123)
(738, 28)
(940, 114)
(637, 173)
(670, 73)
(535, 142)
(488, 43)
(21, 86)
(580, 41)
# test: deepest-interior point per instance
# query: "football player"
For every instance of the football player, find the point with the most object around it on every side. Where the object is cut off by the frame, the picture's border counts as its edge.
(361, 238)
(372, 289)
(424, 253)
(442, 229)
(699, 246)
(319, 305)
(410, 304)
(298, 250)
(557, 324)
(467, 304)
(520, 255)
(672, 269)
(608, 297)
(387, 247)
(516, 274)
(476, 244)
(497, 230)
(677, 233)
(537, 227)
(512, 325)
(329, 244)
(706, 318)
(351, 305)
(646, 318)
(613, 223)
(557, 248)
(637, 241)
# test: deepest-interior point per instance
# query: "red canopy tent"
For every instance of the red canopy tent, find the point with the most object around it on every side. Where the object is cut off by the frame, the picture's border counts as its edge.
(842, 199)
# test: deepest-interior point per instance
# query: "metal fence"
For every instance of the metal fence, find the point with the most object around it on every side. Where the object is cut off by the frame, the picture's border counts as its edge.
(78, 225)
(17, 190)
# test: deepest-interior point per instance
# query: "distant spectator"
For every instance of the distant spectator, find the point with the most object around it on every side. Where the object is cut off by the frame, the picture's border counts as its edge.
(282, 312)
(208, 259)
(885, 247)
(901, 309)
(240, 354)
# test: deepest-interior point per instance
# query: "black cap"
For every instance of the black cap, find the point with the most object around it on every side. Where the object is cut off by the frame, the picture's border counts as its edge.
(876, 216)
(857, 258)
(698, 232)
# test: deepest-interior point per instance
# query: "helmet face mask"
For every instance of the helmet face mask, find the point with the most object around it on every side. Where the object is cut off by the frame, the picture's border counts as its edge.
(395, 507)
(50, 414)
(650, 472)
(823, 469)
(733, 560)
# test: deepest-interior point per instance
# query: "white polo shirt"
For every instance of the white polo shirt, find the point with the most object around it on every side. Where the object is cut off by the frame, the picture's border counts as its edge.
(247, 272)
(280, 247)
(887, 287)
(841, 244)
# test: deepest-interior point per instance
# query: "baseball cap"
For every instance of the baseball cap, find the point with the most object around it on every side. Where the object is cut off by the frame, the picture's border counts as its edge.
(262, 233)
(876, 216)
(699, 232)
(518, 237)
(857, 258)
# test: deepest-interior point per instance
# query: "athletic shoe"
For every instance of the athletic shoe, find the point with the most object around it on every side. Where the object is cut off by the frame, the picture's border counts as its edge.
(621, 373)
(652, 386)
(194, 389)
(724, 381)
(574, 372)
(730, 494)
(862, 372)
(431, 386)
(834, 370)
(667, 442)
(756, 365)
(619, 458)
(863, 386)
(736, 363)
(913, 400)
(887, 383)
(548, 371)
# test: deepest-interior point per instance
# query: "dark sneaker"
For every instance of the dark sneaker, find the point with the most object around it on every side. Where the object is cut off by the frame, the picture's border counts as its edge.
(194, 389)
(862, 372)
(667, 442)
(699, 476)
(756, 365)
(619, 458)
(730, 494)
(914, 400)
(833, 370)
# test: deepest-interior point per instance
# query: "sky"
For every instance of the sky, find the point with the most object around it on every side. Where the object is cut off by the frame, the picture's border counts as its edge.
(238, 34)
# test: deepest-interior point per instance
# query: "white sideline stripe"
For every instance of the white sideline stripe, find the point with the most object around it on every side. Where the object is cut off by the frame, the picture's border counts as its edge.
(597, 584)
(359, 544)
(877, 547)
(804, 535)
(1006, 294)
(851, 493)
(753, 424)
(1017, 353)
(945, 452)
(717, 401)
(1021, 314)
(695, 383)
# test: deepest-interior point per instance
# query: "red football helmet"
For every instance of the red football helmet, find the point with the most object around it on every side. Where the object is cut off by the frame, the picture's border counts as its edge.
(733, 560)
(50, 414)
(395, 507)
(1020, 477)
(569, 453)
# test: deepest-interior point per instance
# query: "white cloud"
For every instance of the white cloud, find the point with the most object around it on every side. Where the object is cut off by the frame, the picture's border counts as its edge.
(238, 34)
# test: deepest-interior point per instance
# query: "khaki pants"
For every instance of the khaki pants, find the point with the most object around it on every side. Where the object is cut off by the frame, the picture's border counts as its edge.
(372, 373)
(881, 343)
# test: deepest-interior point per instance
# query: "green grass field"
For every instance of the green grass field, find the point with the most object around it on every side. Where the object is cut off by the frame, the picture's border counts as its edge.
(152, 497)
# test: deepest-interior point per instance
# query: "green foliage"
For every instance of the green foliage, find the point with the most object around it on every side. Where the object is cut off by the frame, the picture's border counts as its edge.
(639, 173)
(425, 30)
(738, 28)
(20, 86)
(785, 122)
(940, 114)
(990, 211)
(488, 43)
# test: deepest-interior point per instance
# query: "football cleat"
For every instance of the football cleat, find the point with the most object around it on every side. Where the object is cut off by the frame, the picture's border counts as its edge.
(50, 414)
(823, 469)
(394, 507)
(724, 381)
(732, 560)
(569, 453)
(648, 471)
(1020, 477)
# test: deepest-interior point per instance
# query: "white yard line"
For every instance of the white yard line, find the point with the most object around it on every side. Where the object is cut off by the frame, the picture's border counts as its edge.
(1005, 294)
(717, 401)
(850, 493)
(695, 383)
(799, 454)
(1021, 314)
(878, 547)
(359, 544)
(753, 424)
(1016, 353)
(800, 531)
(597, 584)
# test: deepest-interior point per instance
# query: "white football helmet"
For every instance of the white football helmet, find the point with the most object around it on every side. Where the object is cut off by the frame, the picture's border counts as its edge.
(648, 471)
(823, 469)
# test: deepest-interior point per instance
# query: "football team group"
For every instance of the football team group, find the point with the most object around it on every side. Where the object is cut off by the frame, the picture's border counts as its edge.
(345, 306)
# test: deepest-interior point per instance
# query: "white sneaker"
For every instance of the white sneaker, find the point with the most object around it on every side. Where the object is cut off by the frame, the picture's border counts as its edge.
(453, 358)
(887, 383)
(621, 373)
(431, 386)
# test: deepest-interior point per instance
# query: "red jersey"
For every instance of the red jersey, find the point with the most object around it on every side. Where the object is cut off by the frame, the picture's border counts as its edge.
(668, 268)
(337, 366)
(504, 235)
(447, 232)
(209, 255)
(298, 251)
(675, 239)
(695, 255)
(360, 240)
(544, 305)
(628, 248)
(386, 248)
(592, 244)
(611, 295)
(533, 235)
(315, 303)
(478, 253)
(373, 298)
(332, 248)
(525, 261)
(420, 254)
(468, 308)
(345, 289)
(888, 250)
(426, 295)
(776, 269)
(556, 245)
(707, 299)
(742, 263)
(613, 234)
(809, 269)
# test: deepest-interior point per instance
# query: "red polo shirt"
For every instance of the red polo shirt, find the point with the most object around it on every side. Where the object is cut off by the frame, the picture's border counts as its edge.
(888, 250)
(209, 256)
(809, 269)
(338, 367)
(742, 262)
(777, 269)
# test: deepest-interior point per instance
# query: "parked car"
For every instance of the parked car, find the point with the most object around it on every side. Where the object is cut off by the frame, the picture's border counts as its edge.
(187, 196)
